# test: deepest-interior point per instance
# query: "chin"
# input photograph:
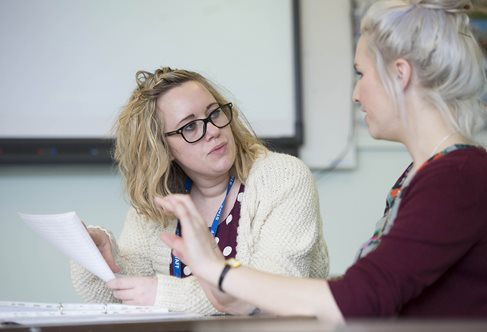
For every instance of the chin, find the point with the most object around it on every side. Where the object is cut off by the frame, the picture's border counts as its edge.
(373, 133)
(224, 165)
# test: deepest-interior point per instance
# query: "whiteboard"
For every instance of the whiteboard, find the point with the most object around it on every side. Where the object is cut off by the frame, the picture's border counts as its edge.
(69, 66)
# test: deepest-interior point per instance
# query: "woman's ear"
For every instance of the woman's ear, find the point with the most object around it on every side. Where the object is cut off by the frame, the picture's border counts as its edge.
(403, 72)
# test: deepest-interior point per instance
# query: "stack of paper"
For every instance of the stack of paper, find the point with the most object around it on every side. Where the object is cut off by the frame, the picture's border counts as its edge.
(62, 313)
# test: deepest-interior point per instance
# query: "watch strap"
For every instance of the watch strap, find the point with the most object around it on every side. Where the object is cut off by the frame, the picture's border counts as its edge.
(229, 263)
(222, 276)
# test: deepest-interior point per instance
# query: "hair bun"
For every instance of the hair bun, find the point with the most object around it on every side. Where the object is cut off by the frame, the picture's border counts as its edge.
(450, 6)
(145, 78)
(163, 70)
(142, 76)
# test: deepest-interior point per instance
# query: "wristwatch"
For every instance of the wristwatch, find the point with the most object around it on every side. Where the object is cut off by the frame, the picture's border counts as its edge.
(229, 263)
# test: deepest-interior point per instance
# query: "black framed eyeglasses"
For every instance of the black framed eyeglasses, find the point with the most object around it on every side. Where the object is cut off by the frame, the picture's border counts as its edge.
(195, 130)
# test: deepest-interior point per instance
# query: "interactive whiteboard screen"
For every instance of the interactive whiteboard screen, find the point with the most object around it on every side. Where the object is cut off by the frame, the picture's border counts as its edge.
(68, 66)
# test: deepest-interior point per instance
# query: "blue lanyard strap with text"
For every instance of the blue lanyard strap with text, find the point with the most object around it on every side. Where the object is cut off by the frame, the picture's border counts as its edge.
(176, 263)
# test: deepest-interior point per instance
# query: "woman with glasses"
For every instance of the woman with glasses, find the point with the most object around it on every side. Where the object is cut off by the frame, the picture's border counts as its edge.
(178, 134)
(420, 82)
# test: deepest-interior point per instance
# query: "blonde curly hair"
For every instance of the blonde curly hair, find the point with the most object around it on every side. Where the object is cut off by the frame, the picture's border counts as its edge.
(142, 152)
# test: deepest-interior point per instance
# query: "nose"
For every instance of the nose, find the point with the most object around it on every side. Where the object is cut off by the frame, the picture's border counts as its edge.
(211, 131)
(355, 95)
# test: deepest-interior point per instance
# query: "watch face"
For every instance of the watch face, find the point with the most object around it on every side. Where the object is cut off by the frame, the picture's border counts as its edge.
(232, 262)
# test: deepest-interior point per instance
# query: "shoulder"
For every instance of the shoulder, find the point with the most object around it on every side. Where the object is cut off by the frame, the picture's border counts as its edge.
(455, 183)
(274, 163)
(467, 166)
(134, 218)
(136, 221)
(279, 174)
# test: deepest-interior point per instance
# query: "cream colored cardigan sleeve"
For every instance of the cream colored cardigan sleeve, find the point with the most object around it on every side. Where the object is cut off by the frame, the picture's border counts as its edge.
(279, 231)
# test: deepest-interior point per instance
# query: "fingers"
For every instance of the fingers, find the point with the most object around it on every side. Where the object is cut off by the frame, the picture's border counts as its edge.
(123, 289)
(170, 239)
(97, 236)
(183, 208)
(102, 241)
(106, 252)
(196, 246)
(193, 228)
(175, 243)
(138, 290)
(120, 283)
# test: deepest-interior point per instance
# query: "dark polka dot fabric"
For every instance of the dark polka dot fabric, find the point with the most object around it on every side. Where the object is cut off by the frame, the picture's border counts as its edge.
(226, 234)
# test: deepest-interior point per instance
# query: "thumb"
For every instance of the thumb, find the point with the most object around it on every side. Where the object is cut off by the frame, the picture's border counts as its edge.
(106, 252)
(172, 240)
(175, 242)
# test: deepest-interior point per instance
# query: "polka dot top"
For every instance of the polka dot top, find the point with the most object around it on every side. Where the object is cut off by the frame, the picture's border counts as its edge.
(226, 234)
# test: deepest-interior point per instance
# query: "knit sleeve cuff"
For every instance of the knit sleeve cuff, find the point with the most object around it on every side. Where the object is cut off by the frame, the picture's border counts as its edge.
(111, 238)
(182, 295)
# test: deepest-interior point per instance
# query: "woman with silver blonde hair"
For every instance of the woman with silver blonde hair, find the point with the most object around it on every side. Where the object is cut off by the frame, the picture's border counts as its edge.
(435, 38)
(420, 82)
(178, 134)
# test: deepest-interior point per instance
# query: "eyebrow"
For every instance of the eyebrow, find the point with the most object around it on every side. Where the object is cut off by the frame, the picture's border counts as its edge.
(192, 116)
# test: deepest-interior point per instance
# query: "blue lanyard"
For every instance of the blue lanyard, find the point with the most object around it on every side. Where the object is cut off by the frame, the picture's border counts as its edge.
(176, 263)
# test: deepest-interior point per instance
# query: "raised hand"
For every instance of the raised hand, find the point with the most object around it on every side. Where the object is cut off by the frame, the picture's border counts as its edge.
(196, 246)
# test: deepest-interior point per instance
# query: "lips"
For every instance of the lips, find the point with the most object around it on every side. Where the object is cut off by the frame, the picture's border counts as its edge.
(217, 148)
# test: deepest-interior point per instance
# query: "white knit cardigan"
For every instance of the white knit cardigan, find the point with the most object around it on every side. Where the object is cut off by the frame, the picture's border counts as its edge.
(280, 231)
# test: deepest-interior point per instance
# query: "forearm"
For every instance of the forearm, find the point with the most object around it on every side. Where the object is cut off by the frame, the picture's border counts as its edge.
(89, 287)
(225, 302)
(278, 294)
(184, 294)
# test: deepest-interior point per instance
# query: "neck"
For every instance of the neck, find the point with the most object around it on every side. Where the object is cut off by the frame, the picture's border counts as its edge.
(207, 195)
(444, 139)
(426, 131)
(210, 187)
(432, 144)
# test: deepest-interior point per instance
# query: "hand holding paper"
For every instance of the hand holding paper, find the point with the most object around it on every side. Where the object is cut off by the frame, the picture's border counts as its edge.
(67, 233)
(102, 241)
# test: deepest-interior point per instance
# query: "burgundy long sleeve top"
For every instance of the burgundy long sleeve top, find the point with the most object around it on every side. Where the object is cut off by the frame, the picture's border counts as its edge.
(433, 262)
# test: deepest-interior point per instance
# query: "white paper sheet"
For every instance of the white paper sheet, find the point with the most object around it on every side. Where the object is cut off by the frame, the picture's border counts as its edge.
(67, 233)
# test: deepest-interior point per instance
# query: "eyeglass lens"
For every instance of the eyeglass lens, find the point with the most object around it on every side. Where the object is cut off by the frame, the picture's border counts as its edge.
(196, 129)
